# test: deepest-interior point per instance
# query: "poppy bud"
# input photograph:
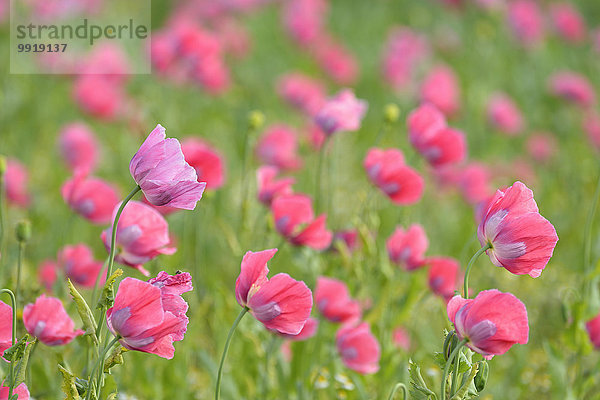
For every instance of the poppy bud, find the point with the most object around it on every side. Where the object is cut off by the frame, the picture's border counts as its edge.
(3, 165)
(391, 113)
(256, 119)
(23, 231)
(449, 344)
(482, 376)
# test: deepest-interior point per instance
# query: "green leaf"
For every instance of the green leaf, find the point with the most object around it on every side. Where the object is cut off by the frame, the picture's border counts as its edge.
(68, 384)
(464, 364)
(22, 367)
(418, 387)
(107, 297)
(440, 360)
(89, 323)
(115, 358)
(112, 396)
(17, 350)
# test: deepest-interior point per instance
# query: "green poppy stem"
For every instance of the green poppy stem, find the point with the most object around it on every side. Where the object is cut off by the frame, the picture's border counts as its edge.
(471, 262)
(226, 349)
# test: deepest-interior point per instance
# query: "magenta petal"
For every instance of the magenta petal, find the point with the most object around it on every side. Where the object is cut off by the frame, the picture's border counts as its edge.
(253, 274)
(282, 303)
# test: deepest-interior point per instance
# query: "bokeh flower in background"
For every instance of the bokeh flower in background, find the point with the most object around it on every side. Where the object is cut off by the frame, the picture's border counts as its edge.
(407, 247)
(47, 320)
(142, 234)
(359, 349)
(92, 198)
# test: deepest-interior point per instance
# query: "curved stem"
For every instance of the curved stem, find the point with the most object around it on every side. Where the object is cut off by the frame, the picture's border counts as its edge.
(395, 389)
(471, 262)
(447, 366)
(113, 237)
(13, 300)
(98, 362)
(226, 349)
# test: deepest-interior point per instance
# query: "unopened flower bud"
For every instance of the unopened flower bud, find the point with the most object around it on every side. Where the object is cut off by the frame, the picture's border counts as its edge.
(482, 376)
(450, 344)
(2, 165)
(256, 119)
(23, 231)
(391, 113)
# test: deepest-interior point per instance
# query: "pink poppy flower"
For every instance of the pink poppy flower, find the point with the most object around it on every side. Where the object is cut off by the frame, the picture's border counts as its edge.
(207, 162)
(358, 348)
(160, 169)
(447, 146)
(171, 289)
(187, 53)
(108, 60)
(423, 124)
(541, 146)
(150, 316)
(99, 96)
(504, 114)
(441, 88)
(386, 170)
(280, 303)
(444, 276)
(334, 301)
(401, 338)
(568, 22)
(526, 21)
(302, 92)
(343, 112)
(573, 87)
(268, 187)
(304, 19)
(278, 146)
(407, 248)
(521, 240)
(78, 147)
(15, 183)
(295, 220)
(47, 274)
(491, 322)
(142, 234)
(92, 198)
(474, 183)
(405, 51)
(21, 391)
(309, 330)
(5, 327)
(336, 60)
(79, 265)
(234, 37)
(591, 126)
(47, 320)
(593, 329)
